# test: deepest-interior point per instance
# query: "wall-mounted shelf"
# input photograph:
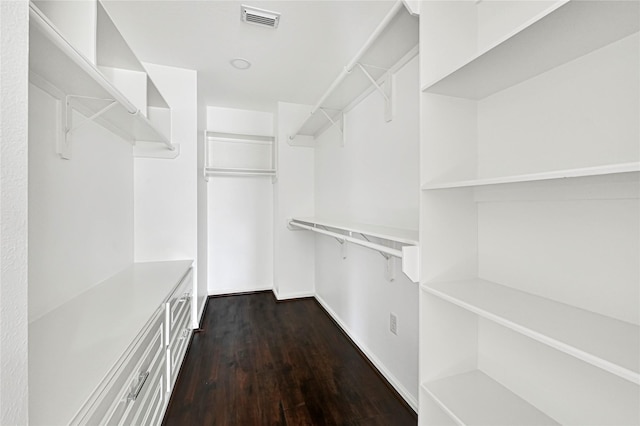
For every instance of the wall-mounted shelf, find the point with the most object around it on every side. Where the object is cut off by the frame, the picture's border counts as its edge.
(344, 231)
(213, 171)
(609, 169)
(604, 342)
(61, 70)
(473, 398)
(565, 31)
(239, 155)
(391, 45)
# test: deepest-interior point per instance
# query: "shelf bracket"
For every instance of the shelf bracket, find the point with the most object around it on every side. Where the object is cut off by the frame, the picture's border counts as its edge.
(339, 122)
(69, 129)
(390, 267)
(387, 92)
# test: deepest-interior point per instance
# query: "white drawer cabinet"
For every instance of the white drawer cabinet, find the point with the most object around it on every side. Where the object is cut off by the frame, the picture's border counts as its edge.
(126, 397)
(111, 355)
(178, 314)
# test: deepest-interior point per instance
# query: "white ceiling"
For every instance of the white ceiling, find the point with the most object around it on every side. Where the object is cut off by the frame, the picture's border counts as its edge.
(294, 63)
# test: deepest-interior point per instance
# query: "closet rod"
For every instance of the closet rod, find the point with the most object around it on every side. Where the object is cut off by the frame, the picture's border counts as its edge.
(78, 58)
(376, 247)
(349, 67)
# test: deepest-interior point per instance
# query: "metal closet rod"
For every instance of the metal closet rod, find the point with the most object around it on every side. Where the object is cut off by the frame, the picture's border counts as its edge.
(349, 67)
(374, 246)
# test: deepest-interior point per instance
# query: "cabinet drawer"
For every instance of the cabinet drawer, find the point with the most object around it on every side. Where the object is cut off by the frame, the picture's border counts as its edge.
(128, 390)
(178, 347)
(179, 303)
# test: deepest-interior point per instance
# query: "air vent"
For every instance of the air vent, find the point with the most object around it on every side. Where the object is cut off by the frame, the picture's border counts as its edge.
(265, 18)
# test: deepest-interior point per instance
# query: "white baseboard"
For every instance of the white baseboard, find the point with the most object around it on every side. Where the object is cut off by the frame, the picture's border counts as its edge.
(413, 403)
(289, 296)
(235, 290)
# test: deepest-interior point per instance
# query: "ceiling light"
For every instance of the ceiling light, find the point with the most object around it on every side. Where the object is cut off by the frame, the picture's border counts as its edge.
(239, 63)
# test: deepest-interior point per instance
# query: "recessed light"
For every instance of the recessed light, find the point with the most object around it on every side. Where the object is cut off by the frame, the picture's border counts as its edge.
(239, 63)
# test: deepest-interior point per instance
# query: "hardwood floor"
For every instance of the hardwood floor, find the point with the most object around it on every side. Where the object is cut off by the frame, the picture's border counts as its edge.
(260, 362)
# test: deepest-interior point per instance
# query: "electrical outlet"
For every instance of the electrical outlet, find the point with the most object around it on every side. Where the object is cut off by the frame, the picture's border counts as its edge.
(393, 323)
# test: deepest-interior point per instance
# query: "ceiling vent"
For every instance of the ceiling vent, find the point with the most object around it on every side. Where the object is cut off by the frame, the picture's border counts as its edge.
(262, 17)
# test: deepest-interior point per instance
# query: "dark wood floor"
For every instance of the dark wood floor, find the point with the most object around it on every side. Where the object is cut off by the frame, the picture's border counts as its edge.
(260, 362)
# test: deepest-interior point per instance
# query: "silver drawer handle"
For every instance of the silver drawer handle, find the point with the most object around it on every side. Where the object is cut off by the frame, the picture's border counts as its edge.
(142, 378)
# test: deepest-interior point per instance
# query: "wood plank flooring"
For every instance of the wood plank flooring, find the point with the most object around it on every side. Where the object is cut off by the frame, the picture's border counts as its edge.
(262, 362)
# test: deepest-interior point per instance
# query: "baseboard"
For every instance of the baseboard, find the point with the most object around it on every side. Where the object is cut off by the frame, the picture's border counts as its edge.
(290, 296)
(200, 315)
(231, 291)
(409, 399)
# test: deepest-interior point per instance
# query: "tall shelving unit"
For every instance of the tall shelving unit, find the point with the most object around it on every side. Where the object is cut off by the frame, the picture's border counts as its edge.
(530, 212)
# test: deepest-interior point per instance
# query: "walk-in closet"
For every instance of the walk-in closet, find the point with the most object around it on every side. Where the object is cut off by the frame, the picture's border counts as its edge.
(320, 212)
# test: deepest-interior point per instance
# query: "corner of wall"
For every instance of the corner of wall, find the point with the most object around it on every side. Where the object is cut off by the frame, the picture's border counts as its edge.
(14, 59)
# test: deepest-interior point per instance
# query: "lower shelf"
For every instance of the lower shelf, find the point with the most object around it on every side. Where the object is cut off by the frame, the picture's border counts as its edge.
(474, 398)
(219, 171)
(604, 342)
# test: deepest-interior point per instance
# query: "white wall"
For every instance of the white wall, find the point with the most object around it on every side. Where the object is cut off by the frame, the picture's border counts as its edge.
(294, 266)
(240, 212)
(373, 179)
(80, 210)
(202, 278)
(14, 31)
(165, 221)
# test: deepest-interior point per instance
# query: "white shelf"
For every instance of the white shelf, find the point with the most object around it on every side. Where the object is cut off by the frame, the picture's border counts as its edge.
(409, 253)
(563, 33)
(73, 347)
(54, 60)
(403, 236)
(474, 398)
(239, 155)
(393, 43)
(217, 171)
(532, 177)
(601, 341)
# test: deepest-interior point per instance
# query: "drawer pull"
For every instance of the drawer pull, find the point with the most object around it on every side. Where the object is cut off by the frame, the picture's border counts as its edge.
(185, 333)
(142, 378)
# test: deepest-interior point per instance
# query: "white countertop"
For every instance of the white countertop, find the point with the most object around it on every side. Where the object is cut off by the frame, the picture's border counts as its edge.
(73, 347)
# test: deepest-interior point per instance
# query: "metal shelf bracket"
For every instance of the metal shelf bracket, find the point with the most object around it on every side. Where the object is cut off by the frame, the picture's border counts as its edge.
(64, 148)
(339, 122)
(387, 92)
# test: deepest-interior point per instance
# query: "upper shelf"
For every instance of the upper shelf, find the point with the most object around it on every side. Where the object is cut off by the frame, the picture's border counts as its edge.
(609, 169)
(566, 32)
(604, 342)
(53, 60)
(228, 154)
(392, 44)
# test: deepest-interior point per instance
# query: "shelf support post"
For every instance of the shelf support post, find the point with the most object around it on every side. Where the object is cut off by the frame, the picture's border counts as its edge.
(390, 269)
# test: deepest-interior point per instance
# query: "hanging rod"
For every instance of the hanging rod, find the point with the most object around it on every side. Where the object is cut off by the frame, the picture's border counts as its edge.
(374, 246)
(349, 67)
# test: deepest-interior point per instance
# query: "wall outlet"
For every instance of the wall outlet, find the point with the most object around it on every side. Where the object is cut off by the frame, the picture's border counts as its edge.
(393, 323)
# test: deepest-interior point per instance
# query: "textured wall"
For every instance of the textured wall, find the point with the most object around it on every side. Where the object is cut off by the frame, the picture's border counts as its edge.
(14, 32)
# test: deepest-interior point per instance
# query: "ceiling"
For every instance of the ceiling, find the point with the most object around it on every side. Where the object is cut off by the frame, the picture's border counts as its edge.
(295, 63)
